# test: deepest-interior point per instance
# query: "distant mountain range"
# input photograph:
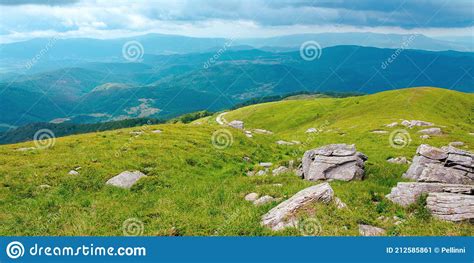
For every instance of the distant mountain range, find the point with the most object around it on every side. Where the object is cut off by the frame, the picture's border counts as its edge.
(89, 81)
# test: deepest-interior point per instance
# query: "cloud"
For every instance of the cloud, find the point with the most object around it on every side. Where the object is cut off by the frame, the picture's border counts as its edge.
(38, 2)
(238, 17)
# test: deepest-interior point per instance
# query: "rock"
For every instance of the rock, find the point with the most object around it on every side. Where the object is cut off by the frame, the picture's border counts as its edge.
(251, 197)
(281, 142)
(296, 142)
(237, 124)
(280, 170)
(398, 160)
(24, 149)
(125, 179)
(262, 131)
(136, 133)
(431, 131)
(277, 185)
(438, 173)
(456, 144)
(262, 172)
(335, 161)
(284, 215)
(424, 137)
(451, 207)
(73, 172)
(413, 123)
(391, 125)
(339, 203)
(311, 130)
(246, 159)
(44, 186)
(445, 165)
(265, 164)
(250, 173)
(431, 152)
(157, 131)
(249, 135)
(379, 132)
(406, 193)
(368, 230)
(264, 200)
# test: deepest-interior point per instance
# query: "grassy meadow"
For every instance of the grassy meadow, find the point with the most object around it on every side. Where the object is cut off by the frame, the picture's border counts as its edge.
(195, 188)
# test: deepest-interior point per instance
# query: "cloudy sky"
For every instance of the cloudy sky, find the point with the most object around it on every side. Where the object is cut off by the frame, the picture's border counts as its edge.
(26, 19)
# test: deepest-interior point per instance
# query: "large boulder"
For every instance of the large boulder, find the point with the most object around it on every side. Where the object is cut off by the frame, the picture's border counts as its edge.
(445, 165)
(451, 207)
(125, 179)
(284, 215)
(406, 193)
(334, 161)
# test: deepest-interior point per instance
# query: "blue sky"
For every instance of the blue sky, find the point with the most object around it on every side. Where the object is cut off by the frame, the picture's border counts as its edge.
(25, 19)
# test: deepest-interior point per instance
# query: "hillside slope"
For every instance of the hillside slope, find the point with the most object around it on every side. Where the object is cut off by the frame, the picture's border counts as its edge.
(194, 188)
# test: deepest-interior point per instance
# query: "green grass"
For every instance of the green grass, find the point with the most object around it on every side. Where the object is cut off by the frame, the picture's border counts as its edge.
(195, 189)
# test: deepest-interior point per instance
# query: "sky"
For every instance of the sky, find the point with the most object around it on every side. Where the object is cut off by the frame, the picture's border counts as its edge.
(26, 19)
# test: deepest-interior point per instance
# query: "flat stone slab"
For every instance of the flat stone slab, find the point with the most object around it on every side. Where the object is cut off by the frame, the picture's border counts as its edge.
(284, 215)
(125, 179)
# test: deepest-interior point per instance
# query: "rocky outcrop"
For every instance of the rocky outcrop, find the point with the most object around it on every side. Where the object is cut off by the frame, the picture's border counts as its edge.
(237, 124)
(406, 193)
(451, 207)
(334, 161)
(284, 215)
(368, 230)
(125, 179)
(445, 165)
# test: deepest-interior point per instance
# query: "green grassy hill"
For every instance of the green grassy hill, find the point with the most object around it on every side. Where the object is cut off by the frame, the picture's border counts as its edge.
(194, 188)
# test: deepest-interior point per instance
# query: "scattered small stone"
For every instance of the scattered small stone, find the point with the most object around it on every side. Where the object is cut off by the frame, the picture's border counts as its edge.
(157, 131)
(237, 124)
(277, 185)
(246, 159)
(262, 131)
(398, 160)
(251, 197)
(125, 179)
(339, 203)
(431, 131)
(413, 123)
(264, 200)
(265, 164)
(280, 170)
(136, 133)
(262, 172)
(379, 132)
(368, 230)
(296, 142)
(250, 173)
(24, 149)
(424, 137)
(311, 130)
(44, 186)
(281, 142)
(456, 144)
(73, 172)
(381, 218)
(391, 125)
